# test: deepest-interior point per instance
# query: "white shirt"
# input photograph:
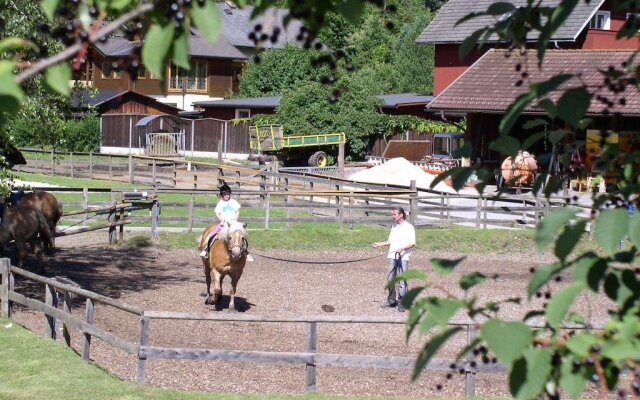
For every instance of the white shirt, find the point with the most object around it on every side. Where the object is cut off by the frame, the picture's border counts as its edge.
(227, 209)
(401, 235)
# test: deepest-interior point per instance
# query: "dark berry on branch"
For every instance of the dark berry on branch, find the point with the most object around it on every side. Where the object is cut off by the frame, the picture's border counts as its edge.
(392, 8)
(349, 67)
(257, 27)
(256, 59)
(201, 3)
(43, 27)
(93, 12)
(389, 25)
(332, 99)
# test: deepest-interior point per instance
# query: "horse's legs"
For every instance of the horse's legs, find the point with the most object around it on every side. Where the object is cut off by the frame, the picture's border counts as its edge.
(37, 250)
(21, 250)
(232, 293)
(217, 286)
(207, 277)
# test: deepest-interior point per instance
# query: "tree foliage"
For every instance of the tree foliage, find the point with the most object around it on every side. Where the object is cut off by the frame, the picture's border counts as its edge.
(553, 361)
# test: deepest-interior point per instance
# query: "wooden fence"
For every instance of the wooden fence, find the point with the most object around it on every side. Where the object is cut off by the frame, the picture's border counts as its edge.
(319, 197)
(144, 350)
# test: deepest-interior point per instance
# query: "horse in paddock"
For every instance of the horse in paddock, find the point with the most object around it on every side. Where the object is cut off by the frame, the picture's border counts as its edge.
(25, 225)
(227, 256)
(48, 204)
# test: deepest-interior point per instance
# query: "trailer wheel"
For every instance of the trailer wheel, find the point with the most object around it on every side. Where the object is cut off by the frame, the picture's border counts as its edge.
(318, 159)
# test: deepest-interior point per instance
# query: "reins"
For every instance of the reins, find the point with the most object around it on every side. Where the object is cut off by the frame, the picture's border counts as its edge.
(318, 262)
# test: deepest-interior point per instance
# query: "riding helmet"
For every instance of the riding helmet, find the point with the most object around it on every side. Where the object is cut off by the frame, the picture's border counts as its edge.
(225, 189)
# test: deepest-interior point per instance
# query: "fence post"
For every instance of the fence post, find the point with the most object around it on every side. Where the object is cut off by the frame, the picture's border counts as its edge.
(192, 206)
(143, 341)
(341, 160)
(413, 203)
(5, 266)
(478, 212)
(267, 201)
(312, 336)
(448, 207)
(110, 167)
(71, 157)
(53, 162)
(66, 306)
(51, 300)
(130, 168)
(153, 172)
(154, 219)
(484, 214)
(470, 375)
(536, 214)
(85, 201)
(90, 165)
(220, 152)
(86, 343)
(524, 214)
(289, 210)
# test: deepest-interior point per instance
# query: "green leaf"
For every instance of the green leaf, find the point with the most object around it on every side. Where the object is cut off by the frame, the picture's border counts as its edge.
(542, 275)
(549, 106)
(506, 145)
(532, 139)
(49, 8)
(506, 339)
(610, 228)
(551, 224)
(408, 274)
(619, 351)
(207, 19)
(470, 280)
(568, 239)
(513, 112)
(411, 295)
(156, 46)
(180, 50)
(11, 95)
(115, 5)
(430, 349)
(57, 78)
(442, 310)
(538, 368)
(634, 229)
(571, 380)
(351, 10)
(573, 104)
(500, 8)
(444, 266)
(14, 43)
(580, 344)
(589, 269)
(469, 43)
(561, 302)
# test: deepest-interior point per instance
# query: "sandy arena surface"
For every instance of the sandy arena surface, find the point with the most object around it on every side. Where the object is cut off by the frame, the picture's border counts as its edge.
(153, 278)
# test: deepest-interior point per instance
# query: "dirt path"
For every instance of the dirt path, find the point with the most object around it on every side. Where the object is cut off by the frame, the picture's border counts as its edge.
(156, 279)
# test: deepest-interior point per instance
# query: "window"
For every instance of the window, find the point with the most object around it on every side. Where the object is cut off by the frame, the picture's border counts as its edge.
(106, 70)
(194, 80)
(142, 72)
(601, 20)
(117, 74)
(243, 113)
(633, 20)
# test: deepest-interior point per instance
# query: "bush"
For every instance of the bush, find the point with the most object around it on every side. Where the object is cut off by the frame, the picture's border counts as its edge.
(81, 134)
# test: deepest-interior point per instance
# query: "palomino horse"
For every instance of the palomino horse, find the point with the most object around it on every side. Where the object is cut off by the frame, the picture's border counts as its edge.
(24, 224)
(50, 207)
(227, 256)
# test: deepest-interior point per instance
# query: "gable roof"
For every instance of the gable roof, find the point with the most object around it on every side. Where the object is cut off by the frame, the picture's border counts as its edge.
(404, 100)
(105, 99)
(443, 29)
(388, 101)
(489, 84)
(237, 24)
(120, 46)
(247, 102)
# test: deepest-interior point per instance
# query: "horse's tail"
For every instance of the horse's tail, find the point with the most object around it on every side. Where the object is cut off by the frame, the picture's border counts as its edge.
(43, 229)
(59, 214)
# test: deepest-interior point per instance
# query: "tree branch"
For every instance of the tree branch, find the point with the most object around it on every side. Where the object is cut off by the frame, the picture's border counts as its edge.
(73, 49)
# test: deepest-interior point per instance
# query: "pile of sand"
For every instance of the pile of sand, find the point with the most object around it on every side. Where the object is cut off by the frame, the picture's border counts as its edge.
(399, 171)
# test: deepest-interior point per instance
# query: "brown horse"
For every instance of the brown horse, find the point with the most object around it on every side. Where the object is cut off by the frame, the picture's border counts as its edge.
(227, 256)
(50, 207)
(24, 224)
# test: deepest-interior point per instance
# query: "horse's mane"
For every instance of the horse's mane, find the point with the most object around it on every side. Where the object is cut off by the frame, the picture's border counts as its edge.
(232, 226)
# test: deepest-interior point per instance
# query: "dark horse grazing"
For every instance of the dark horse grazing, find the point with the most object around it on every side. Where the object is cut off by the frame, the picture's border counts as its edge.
(227, 256)
(24, 224)
(50, 207)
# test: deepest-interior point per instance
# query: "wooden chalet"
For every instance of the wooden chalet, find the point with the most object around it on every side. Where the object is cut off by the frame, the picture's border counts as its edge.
(115, 101)
(592, 25)
(215, 68)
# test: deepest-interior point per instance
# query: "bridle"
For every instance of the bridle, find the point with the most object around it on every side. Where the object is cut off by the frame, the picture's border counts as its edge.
(240, 248)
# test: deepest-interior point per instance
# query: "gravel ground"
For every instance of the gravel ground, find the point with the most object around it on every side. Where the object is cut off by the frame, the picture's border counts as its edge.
(157, 279)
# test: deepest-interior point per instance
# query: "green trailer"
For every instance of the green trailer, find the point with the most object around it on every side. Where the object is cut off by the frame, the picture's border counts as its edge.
(293, 150)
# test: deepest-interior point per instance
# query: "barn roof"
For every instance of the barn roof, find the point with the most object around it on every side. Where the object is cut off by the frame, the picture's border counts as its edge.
(443, 29)
(246, 102)
(149, 118)
(489, 85)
